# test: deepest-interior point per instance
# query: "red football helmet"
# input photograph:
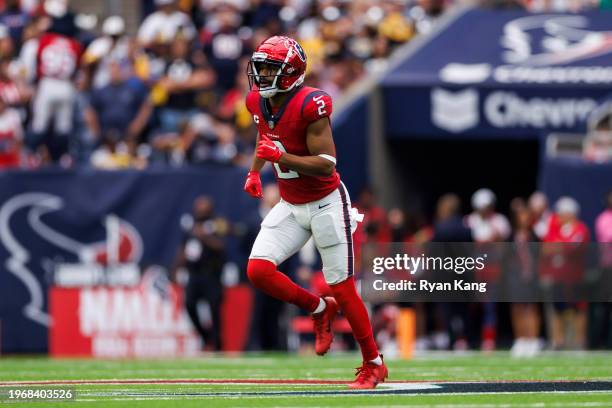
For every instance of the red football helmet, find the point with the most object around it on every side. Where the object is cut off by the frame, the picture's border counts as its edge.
(286, 61)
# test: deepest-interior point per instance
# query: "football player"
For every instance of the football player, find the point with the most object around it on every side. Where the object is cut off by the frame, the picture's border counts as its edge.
(295, 135)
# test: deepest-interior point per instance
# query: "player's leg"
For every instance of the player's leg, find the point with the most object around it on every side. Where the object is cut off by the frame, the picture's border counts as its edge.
(42, 104)
(193, 293)
(332, 231)
(64, 112)
(280, 237)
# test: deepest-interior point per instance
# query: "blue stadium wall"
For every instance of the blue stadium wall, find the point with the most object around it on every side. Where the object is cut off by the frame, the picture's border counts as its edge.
(52, 215)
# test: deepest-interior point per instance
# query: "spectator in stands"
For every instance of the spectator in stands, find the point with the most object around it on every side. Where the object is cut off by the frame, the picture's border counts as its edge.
(375, 218)
(603, 232)
(396, 27)
(203, 140)
(6, 42)
(450, 227)
(563, 263)
(11, 137)
(112, 47)
(380, 51)
(522, 280)
(398, 227)
(339, 75)
(425, 14)
(175, 94)
(163, 25)
(203, 254)
(26, 61)
(411, 231)
(209, 140)
(13, 90)
(114, 106)
(598, 146)
(541, 215)
(559, 6)
(488, 226)
(341, 38)
(231, 106)
(15, 19)
(223, 45)
(86, 23)
(601, 334)
(56, 92)
(116, 153)
(374, 227)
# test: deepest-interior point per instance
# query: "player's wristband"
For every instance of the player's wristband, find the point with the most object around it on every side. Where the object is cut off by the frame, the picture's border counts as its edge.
(328, 157)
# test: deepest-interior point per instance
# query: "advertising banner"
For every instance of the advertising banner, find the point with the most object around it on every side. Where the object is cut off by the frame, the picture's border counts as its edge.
(530, 74)
(65, 226)
(120, 323)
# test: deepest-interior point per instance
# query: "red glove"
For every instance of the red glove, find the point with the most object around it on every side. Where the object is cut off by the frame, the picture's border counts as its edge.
(253, 184)
(267, 150)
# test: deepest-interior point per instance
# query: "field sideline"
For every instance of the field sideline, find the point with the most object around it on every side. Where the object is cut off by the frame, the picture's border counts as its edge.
(431, 380)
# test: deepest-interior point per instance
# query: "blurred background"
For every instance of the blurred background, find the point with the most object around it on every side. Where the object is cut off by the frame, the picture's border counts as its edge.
(124, 143)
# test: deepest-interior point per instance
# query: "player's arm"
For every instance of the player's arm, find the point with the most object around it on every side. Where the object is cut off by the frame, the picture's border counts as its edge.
(316, 110)
(257, 162)
(321, 147)
(252, 184)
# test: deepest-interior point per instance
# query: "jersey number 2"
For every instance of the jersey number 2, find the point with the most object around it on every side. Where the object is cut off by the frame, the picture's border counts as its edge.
(289, 174)
(319, 100)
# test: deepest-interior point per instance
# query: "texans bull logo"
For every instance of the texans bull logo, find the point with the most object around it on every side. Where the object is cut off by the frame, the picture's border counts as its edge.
(123, 244)
(548, 39)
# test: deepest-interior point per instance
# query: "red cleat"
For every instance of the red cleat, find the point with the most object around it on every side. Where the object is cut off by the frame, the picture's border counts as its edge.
(322, 325)
(369, 375)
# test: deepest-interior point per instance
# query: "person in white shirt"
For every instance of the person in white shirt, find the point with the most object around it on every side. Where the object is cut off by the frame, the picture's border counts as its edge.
(164, 24)
(538, 205)
(113, 46)
(11, 137)
(488, 226)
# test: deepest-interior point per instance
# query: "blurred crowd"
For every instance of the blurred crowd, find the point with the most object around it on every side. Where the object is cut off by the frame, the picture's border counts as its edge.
(556, 6)
(78, 91)
(526, 327)
(460, 326)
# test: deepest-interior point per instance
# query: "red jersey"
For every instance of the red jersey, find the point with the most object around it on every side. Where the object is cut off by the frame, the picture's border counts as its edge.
(58, 56)
(10, 93)
(574, 232)
(11, 135)
(286, 127)
(567, 263)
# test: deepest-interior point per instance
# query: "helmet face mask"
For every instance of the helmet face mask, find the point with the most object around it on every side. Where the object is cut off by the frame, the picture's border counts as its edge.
(265, 75)
(278, 65)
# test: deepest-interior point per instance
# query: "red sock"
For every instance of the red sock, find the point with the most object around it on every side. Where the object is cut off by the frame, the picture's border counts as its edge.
(353, 308)
(264, 276)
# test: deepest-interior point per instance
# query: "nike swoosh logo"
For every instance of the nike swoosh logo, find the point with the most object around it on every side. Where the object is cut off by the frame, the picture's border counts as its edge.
(323, 206)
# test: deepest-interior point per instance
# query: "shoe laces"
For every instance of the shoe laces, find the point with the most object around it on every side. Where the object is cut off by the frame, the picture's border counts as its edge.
(364, 372)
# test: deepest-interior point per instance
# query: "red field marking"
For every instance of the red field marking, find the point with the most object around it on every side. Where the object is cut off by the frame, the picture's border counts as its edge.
(247, 381)
(175, 381)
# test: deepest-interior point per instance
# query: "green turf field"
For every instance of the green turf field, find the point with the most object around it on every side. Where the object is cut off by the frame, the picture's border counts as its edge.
(433, 380)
